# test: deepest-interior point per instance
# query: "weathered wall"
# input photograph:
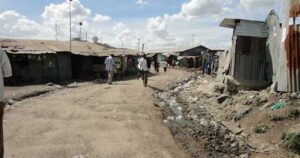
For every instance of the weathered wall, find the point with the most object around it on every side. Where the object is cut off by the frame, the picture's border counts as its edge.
(250, 59)
(64, 66)
(290, 49)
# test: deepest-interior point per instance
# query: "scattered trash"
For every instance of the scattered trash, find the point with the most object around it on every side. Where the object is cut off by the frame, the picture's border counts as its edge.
(242, 113)
(278, 105)
(50, 84)
(222, 98)
(171, 118)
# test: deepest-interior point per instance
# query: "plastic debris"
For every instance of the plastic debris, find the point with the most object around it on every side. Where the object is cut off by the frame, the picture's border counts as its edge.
(278, 105)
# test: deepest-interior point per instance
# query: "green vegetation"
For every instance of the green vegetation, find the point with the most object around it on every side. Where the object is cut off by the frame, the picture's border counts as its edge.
(292, 142)
(229, 117)
(260, 128)
(293, 113)
(276, 118)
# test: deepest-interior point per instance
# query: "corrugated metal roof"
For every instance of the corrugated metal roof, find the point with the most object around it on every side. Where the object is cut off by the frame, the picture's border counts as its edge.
(251, 29)
(244, 27)
(21, 46)
(231, 23)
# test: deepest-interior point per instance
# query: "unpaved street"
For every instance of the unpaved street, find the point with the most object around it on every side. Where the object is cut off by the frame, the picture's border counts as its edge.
(94, 121)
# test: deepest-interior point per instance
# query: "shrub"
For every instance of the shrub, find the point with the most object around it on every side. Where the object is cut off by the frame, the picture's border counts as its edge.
(276, 118)
(292, 142)
(293, 113)
(260, 128)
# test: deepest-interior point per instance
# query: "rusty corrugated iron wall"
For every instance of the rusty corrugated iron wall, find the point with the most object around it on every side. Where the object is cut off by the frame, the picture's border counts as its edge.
(292, 48)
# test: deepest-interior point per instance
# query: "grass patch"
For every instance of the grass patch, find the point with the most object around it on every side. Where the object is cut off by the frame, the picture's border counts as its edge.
(276, 118)
(229, 117)
(260, 128)
(293, 113)
(292, 142)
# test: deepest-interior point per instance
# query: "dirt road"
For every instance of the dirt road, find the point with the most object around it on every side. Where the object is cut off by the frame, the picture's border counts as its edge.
(94, 121)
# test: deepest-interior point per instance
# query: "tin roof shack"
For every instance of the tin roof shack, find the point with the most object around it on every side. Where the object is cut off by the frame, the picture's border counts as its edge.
(37, 61)
(248, 53)
(193, 57)
(196, 51)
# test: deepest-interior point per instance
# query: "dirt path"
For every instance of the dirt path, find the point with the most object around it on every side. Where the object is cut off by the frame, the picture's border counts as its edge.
(94, 121)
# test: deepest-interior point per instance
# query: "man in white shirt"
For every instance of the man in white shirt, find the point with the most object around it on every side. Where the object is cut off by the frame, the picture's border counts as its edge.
(139, 73)
(5, 71)
(144, 69)
(109, 67)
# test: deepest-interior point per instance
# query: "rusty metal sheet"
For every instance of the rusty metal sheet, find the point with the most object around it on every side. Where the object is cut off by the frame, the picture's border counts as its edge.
(295, 8)
(292, 48)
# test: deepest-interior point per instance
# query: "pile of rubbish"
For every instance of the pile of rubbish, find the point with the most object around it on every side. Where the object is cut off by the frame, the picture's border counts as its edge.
(188, 116)
(208, 122)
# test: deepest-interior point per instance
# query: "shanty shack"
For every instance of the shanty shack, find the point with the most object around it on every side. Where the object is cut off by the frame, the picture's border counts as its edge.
(193, 57)
(37, 61)
(248, 64)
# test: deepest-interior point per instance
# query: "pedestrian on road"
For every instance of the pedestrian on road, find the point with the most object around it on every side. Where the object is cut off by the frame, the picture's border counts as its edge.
(139, 71)
(164, 65)
(109, 67)
(144, 69)
(5, 71)
(156, 66)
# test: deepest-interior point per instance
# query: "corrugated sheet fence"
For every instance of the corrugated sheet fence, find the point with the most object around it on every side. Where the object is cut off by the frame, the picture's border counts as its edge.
(292, 48)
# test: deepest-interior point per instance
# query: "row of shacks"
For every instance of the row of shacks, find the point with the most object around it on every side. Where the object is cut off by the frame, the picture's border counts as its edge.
(264, 53)
(41, 61)
(194, 57)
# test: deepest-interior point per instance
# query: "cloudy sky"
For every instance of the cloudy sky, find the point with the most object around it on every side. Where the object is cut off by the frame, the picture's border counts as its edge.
(160, 24)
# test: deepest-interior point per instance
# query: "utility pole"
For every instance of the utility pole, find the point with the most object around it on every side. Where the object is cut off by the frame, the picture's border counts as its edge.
(193, 40)
(70, 9)
(139, 42)
(143, 46)
(56, 32)
(123, 47)
(86, 36)
(80, 24)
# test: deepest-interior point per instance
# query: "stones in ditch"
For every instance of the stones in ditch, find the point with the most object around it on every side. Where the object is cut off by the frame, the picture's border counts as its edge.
(222, 98)
(185, 109)
(239, 115)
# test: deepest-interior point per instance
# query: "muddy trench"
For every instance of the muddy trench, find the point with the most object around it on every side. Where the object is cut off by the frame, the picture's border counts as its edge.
(193, 126)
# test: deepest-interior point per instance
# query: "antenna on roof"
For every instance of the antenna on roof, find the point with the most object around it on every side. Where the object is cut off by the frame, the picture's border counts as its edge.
(56, 32)
(95, 39)
(86, 36)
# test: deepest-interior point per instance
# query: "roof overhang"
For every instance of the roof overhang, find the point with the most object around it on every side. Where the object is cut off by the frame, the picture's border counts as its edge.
(231, 23)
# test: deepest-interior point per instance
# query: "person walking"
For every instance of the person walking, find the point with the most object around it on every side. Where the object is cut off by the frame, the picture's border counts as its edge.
(143, 64)
(156, 66)
(109, 67)
(139, 71)
(164, 65)
(5, 71)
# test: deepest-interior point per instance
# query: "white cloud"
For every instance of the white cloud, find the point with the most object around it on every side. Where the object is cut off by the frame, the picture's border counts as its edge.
(142, 2)
(123, 33)
(59, 13)
(158, 27)
(100, 18)
(198, 8)
(159, 34)
(254, 4)
(16, 25)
